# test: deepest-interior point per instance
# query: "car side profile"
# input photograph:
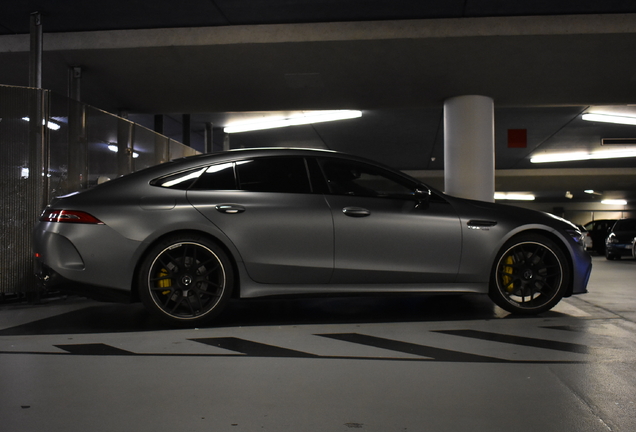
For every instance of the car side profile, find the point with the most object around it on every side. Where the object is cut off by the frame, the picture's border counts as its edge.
(186, 236)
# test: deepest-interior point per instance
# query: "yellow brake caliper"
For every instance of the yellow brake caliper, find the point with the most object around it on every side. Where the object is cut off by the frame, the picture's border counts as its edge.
(507, 271)
(164, 282)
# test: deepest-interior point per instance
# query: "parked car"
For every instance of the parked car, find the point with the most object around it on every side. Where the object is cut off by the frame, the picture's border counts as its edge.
(186, 236)
(620, 241)
(597, 232)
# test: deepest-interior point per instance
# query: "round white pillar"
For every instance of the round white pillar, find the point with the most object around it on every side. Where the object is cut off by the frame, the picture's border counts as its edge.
(469, 147)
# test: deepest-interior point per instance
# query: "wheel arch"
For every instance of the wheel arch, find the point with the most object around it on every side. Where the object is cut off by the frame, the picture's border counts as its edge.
(554, 238)
(185, 232)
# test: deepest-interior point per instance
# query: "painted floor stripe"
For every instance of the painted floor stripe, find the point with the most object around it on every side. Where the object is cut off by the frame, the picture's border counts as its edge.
(438, 354)
(253, 349)
(97, 349)
(518, 340)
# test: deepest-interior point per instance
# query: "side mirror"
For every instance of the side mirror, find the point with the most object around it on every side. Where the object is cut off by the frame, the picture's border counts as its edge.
(422, 196)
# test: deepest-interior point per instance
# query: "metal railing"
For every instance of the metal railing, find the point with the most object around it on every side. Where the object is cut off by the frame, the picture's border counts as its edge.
(51, 145)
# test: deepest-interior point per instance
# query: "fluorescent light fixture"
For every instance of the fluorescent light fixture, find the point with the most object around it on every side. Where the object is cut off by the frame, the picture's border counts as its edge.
(614, 202)
(607, 118)
(308, 117)
(50, 125)
(592, 192)
(514, 196)
(580, 156)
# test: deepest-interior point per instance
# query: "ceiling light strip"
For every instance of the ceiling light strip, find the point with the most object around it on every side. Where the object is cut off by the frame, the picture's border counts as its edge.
(514, 196)
(581, 156)
(614, 202)
(606, 118)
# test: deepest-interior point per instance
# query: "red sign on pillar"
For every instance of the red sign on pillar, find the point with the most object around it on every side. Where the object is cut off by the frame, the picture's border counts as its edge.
(517, 138)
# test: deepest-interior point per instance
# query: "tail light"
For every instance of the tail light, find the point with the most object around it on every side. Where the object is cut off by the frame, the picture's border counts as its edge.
(68, 216)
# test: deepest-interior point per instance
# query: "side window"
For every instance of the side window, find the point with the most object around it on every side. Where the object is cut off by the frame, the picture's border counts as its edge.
(353, 178)
(181, 180)
(216, 177)
(273, 174)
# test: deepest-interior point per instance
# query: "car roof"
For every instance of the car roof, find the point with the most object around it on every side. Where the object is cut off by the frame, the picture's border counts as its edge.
(191, 162)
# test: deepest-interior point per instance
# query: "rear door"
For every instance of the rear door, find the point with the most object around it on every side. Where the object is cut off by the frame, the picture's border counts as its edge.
(283, 231)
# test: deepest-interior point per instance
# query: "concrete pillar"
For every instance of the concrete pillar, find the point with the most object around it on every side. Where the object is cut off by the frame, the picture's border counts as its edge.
(469, 147)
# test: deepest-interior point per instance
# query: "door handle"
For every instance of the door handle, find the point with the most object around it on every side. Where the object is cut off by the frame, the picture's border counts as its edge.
(230, 208)
(481, 224)
(356, 211)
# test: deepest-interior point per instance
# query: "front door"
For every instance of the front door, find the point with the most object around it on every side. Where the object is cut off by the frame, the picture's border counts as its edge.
(381, 233)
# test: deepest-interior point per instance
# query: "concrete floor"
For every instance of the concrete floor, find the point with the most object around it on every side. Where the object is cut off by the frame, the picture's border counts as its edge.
(374, 364)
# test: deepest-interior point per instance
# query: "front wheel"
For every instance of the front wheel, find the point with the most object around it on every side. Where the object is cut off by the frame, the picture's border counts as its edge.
(530, 275)
(610, 256)
(185, 280)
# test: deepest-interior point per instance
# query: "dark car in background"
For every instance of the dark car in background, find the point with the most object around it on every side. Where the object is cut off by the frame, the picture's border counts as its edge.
(597, 231)
(186, 236)
(620, 240)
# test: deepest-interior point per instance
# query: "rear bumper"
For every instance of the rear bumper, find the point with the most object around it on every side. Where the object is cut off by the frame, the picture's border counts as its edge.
(49, 280)
(619, 249)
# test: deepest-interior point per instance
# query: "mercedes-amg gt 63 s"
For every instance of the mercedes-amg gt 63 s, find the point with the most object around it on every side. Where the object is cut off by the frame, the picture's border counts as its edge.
(186, 236)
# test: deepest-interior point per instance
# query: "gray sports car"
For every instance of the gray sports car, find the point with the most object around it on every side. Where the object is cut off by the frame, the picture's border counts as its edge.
(188, 235)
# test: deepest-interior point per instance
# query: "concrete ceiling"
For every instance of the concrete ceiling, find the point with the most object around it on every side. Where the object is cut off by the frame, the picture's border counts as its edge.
(543, 62)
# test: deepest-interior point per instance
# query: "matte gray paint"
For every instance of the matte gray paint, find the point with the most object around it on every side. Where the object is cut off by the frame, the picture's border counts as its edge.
(295, 251)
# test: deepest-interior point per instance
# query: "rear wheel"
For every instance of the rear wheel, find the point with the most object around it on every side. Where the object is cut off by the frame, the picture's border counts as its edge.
(185, 280)
(530, 275)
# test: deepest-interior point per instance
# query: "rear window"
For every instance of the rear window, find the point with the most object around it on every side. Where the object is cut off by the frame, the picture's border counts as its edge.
(625, 225)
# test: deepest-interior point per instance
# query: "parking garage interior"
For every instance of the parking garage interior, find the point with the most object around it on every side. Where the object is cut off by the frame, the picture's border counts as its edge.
(188, 71)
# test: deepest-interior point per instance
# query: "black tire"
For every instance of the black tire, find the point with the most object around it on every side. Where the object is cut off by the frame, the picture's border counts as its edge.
(185, 280)
(611, 257)
(530, 275)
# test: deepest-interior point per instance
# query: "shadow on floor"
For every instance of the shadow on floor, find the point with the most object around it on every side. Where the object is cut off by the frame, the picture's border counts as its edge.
(113, 318)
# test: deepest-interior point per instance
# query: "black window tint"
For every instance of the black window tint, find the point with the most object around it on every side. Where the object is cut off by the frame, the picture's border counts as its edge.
(217, 177)
(274, 174)
(353, 178)
(180, 180)
(318, 183)
(625, 225)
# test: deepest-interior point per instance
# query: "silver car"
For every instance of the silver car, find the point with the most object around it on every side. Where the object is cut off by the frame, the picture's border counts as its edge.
(186, 236)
